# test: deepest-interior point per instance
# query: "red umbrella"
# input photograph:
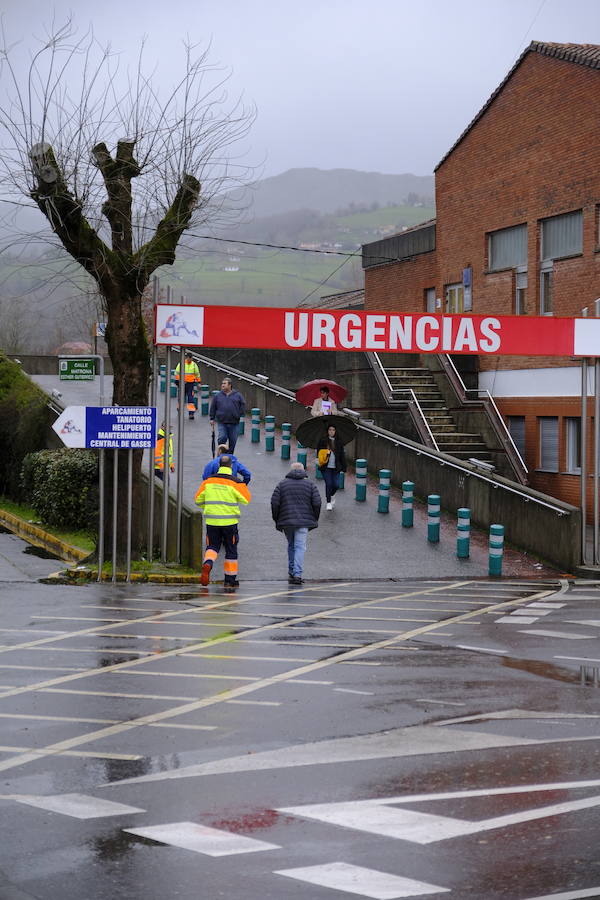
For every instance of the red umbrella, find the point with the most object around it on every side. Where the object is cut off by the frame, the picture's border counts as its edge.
(309, 392)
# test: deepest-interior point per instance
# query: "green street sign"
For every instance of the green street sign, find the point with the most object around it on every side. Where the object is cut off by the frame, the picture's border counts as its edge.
(77, 369)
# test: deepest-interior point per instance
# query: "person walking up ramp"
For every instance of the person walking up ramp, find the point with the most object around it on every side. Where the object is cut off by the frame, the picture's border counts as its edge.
(220, 497)
(295, 507)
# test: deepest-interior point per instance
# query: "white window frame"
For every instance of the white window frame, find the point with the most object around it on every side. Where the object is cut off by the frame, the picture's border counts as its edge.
(573, 444)
(546, 275)
(521, 291)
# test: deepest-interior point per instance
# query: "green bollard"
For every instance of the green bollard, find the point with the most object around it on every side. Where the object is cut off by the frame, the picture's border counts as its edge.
(341, 481)
(408, 488)
(255, 431)
(286, 436)
(242, 426)
(163, 379)
(174, 384)
(269, 434)
(496, 549)
(318, 473)
(433, 518)
(301, 454)
(383, 500)
(463, 533)
(361, 480)
(204, 399)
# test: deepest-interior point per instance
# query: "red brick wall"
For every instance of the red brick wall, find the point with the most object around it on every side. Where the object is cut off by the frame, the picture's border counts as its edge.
(535, 152)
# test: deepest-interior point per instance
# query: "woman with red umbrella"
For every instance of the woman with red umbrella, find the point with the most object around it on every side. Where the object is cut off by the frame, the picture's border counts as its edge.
(324, 405)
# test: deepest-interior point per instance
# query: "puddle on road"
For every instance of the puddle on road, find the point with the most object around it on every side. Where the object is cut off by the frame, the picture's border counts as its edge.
(41, 552)
(541, 668)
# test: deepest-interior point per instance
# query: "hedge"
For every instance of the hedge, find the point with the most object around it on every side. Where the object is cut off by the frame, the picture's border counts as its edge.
(62, 487)
(23, 422)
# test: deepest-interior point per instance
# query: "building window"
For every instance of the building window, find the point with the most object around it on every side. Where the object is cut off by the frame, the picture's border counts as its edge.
(455, 298)
(507, 248)
(548, 443)
(573, 441)
(562, 235)
(516, 429)
(546, 279)
(430, 304)
(521, 292)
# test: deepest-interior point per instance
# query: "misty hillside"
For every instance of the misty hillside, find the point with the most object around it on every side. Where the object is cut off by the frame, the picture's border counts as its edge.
(329, 190)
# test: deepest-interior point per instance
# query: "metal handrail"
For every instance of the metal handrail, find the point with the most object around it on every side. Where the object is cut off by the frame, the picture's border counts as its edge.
(398, 440)
(382, 377)
(488, 401)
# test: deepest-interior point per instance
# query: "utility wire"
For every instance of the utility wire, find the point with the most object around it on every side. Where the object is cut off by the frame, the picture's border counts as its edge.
(325, 280)
(206, 237)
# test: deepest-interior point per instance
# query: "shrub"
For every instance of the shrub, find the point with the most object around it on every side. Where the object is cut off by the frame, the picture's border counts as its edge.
(62, 487)
(23, 422)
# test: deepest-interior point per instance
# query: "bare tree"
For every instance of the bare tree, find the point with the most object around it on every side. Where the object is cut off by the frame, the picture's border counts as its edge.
(120, 168)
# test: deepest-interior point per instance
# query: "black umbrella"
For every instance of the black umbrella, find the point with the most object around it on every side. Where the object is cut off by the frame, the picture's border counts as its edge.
(312, 431)
(213, 443)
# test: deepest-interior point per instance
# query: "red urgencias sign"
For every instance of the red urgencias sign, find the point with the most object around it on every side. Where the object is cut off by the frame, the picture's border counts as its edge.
(382, 332)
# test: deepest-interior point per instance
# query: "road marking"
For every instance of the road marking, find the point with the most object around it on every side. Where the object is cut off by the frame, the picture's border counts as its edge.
(565, 635)
(482, 649)
(595, 623)
(517, 714)
(45, 668)
(91, 754)
(35, 717)
(571, 895)
(353, 879)
(548, 605)
(78, 806)
(527, 609)
(112, 694)
(522, 620)
(378, 817)
(350, 691)
(186, 674)
(255, 702)
(225, 695)
(442, 702)
(578, 658)
(201, 839)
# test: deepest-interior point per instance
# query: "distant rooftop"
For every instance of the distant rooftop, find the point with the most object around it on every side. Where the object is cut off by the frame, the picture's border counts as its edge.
(344, 300)
(580, 54)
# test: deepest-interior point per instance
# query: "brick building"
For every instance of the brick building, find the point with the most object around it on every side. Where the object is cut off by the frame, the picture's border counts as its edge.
(516, 232)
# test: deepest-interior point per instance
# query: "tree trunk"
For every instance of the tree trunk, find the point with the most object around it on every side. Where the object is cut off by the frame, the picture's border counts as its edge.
(130, 356)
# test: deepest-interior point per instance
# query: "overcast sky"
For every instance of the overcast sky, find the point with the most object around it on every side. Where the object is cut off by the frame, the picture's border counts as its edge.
(382, 86)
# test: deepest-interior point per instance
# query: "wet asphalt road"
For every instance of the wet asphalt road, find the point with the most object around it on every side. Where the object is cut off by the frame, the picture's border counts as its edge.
(344, 739)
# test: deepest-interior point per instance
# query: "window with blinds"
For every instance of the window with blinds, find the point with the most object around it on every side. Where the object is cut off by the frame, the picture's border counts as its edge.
(516, 429)
(548, 443)
(507, 248)
(573, 439)
(562, 235)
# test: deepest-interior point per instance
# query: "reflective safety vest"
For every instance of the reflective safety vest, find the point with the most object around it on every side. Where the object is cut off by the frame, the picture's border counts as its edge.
(219, 497)
(159, 451)
(191, 372)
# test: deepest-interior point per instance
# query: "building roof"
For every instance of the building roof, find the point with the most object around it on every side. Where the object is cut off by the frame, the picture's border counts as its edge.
(344, 300)
(580, 54)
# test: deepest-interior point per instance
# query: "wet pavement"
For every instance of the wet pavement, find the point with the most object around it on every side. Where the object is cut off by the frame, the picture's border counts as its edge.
(352, 541)
(377, 739)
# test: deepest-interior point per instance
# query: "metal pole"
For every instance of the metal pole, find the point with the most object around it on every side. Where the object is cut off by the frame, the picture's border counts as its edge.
(166, 469)
(596, 457)
(153, 402)
(129, 510)
(584, 375)
(180, 427)
(101, 514)
(114, 512)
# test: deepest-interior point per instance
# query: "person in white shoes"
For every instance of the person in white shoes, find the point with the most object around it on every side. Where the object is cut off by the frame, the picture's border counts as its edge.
(331, 449)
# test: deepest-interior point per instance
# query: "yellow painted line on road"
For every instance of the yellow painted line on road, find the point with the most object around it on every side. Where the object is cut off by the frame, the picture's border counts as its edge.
(255, 702)
(179, 725)
(86, 754)
(188, 675)
(115, 694)
(243, 690)
(42, 718)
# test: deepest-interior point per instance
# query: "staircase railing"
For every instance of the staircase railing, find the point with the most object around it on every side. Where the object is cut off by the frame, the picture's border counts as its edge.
(485, 399)
(401, 396)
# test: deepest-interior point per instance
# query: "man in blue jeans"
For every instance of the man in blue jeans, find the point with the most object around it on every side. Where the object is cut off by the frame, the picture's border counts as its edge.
(226, 409)
(295, 507)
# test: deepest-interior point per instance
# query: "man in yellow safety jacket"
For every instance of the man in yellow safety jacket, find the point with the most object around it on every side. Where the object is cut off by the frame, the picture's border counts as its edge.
(219, 498)
(191, 374)
(159, 453)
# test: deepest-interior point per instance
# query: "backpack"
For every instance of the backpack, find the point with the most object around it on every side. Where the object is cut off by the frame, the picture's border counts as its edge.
(323, 456)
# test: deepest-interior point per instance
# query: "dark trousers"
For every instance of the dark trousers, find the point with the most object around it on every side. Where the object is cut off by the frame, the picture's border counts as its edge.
(227, 536)
(228, 434)
(332, 482)
(189, 396)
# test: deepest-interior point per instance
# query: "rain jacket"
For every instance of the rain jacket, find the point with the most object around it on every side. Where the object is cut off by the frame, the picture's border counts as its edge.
(219, 497)
(227, 408)
(159, 451)
(296, 502)
(212, 468)
(191, 372)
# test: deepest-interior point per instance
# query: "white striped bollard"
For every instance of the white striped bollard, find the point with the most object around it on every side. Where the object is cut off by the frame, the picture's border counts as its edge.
(318, 473)
(408, 488)
(269, 434)
(496, 549)
(286, 436)
(361, 479)
(255, 431)
(433, 518)
(204, 399)
(301, 453)
(383, 501)
(242, 425)
(341, 481)
(463, 532)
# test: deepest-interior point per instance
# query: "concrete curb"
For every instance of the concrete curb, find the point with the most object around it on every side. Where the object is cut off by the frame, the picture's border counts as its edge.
(139, 577)
(33, 534)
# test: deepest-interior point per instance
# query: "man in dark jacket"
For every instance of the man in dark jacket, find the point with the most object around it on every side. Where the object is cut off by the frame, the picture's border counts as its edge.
(226, 409)
(295, 507)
